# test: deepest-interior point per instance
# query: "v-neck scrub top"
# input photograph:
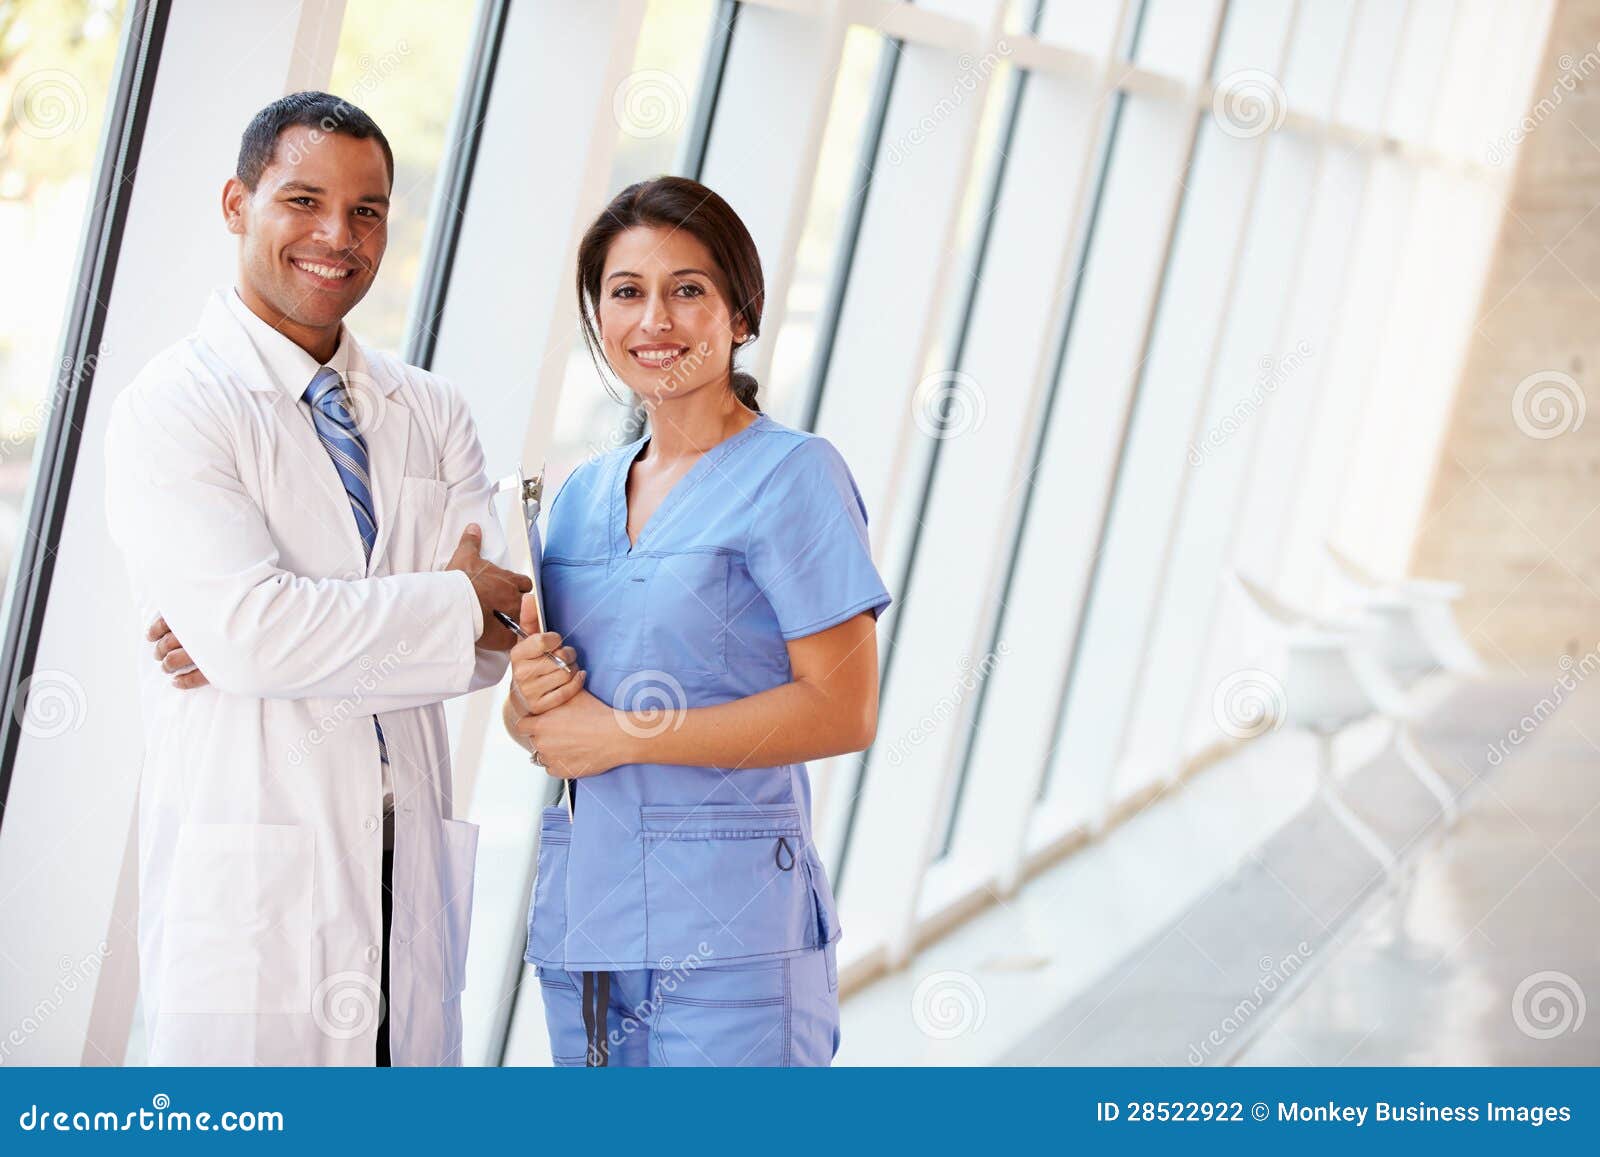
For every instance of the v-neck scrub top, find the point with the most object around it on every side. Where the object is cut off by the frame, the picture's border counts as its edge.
(762, 541)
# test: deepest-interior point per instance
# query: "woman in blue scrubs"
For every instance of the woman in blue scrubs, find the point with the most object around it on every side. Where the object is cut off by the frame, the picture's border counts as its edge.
(712, 588)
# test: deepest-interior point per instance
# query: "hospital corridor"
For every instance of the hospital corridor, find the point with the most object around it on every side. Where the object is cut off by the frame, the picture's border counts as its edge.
(968, 533)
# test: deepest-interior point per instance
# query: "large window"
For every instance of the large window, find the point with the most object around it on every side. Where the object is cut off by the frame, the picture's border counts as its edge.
(56, 61)
(401, 61)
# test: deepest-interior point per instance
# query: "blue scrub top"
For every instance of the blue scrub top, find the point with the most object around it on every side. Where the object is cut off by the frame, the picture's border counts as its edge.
(762, 541)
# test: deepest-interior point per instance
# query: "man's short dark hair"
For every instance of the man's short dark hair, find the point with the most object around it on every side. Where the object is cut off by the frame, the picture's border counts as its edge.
(320, 111)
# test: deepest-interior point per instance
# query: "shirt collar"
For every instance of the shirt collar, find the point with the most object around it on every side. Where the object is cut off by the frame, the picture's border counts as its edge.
(290, 366)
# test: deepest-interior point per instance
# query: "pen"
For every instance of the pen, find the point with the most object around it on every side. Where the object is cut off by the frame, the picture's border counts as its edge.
(516, 629)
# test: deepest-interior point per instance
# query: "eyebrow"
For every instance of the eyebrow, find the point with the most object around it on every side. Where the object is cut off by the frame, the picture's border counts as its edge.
(304, 187)
(675, 273)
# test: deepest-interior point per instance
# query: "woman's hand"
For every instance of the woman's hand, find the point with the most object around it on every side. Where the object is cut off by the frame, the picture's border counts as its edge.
(582, 737)
(538, 685)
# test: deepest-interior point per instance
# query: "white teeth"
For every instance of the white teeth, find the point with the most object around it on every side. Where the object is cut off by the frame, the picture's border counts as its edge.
(323, 270)
(655, 358)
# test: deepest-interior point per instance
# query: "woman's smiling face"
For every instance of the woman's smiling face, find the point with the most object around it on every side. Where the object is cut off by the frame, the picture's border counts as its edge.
(665, 323)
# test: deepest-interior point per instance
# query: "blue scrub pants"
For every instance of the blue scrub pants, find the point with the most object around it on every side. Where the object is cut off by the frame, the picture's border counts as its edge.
(775, 1013)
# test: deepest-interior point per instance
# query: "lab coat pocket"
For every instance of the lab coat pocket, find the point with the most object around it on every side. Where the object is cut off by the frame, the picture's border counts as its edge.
(547, 915)
(685, 623)
(726, 882)
(419, 520)
(238, 920)
(457, 865)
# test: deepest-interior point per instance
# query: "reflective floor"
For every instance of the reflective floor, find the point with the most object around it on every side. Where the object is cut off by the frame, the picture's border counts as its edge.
(1236, 921)
(1492, 954)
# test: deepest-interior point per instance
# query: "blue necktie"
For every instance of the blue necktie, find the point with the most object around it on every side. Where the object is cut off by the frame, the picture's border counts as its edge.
(336, 427)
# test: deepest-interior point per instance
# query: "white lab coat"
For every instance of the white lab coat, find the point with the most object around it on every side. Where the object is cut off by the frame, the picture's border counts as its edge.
(260, 833)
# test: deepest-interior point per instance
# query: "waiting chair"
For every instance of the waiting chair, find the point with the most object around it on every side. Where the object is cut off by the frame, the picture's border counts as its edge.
(1332, 679)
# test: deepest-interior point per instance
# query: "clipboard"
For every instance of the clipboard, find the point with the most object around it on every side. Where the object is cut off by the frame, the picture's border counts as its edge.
(530, 492)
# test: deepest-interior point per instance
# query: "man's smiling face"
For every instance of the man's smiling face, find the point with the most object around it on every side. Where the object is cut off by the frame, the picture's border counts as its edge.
(312, 232)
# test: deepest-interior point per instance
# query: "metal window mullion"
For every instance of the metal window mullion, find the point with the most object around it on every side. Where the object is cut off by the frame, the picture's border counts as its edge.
(855, 214)
(455, 184)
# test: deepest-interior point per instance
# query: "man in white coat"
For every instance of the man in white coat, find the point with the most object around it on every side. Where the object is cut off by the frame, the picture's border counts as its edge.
(303, 514)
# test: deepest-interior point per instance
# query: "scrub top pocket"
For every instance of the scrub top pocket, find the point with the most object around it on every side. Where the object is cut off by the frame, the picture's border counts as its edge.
(547, 915)
(685, 623)
(729, 882)
(596, 602)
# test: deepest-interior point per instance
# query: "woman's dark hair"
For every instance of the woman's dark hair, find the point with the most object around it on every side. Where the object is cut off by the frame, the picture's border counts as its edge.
(677, 203)
(321, 111)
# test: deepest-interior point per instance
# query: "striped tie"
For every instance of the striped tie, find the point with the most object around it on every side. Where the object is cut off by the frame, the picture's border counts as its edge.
(336, 427)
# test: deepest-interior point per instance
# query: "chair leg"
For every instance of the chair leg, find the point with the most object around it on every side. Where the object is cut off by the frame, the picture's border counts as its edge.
(1359, 829)
(1406, 747)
